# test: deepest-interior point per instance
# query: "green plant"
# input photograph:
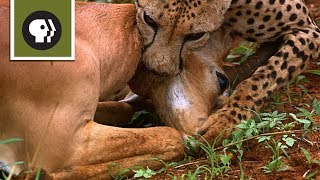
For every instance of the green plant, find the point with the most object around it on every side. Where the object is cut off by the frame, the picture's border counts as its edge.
(140, 172)
(308, 157)
(242, 52)
(310, 161)
(263, 129)
(271, 120)
(304, 117)
(275, 166)
(288, 140)
(194, 175)
(218, 163)
(145, 173)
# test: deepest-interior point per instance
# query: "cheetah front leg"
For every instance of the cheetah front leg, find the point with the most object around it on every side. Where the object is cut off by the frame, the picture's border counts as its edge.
(291, 59)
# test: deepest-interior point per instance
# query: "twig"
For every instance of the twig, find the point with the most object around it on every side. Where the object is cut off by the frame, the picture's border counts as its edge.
(305, 174)
(11, 172)
(260, 135)
(188, 164)
(235, 171)
(305, 140)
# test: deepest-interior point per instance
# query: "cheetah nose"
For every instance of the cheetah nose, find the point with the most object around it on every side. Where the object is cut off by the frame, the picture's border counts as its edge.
(190, 146)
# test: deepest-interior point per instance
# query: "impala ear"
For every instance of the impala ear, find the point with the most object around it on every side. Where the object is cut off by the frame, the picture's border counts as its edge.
(136, 2)
(227, 3)
(224, 3)
(213, 17)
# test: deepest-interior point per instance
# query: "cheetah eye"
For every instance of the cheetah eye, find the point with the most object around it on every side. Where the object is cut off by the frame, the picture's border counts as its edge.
(223, 81)
(148, 20)
(194, 37)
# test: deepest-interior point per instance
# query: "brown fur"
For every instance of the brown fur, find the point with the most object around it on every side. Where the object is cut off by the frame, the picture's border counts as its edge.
(63, 97)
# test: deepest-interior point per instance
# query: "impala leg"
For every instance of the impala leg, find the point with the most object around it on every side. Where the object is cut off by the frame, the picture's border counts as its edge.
(119, 114)
(101, 150)
(114, 113)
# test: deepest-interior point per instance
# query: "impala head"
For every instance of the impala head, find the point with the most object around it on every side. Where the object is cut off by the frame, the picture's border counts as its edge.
(168, 27)
(186, 101)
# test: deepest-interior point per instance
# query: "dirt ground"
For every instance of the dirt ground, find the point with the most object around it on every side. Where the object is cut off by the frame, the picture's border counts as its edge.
(255, 155)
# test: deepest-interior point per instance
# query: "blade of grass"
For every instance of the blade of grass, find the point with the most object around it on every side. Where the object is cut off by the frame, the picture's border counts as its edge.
(315, 72)
(12, 140)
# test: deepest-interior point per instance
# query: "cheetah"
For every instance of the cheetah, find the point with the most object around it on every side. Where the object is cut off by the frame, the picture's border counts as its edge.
(75, 146)
(189, 24)
(285, 21)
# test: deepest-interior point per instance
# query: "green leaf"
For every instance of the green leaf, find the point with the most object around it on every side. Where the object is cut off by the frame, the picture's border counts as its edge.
(263, 124)
(305, 90)
(4, 175)
(225, 159)
(38, 174)
(12, 140)
(306, 113)
(230, 57)
(316, 106)
(302, 121)
(263, 138)
(146, 173)
(138, 174)
(316, 162)
(242, 126)
(137, 115)
(315, 72)
(300, 78)
(272, 124)
(306, 154)
(149, 173)
(123, 172)
(289, 141)
(239, 153)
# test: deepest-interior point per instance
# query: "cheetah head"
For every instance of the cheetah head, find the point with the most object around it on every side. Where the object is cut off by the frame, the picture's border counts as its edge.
(185, 101)
(170, 28)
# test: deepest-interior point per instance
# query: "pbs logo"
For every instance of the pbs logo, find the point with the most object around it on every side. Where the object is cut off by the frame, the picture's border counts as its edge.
(41, 30)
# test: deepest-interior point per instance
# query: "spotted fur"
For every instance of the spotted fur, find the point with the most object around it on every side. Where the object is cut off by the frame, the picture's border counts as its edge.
(177, 27)
(261, 21)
